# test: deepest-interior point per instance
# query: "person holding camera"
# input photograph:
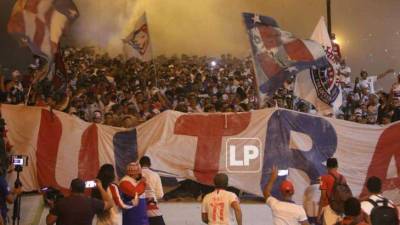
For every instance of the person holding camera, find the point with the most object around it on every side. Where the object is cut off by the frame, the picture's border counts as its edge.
(78, 209)
(6, 197)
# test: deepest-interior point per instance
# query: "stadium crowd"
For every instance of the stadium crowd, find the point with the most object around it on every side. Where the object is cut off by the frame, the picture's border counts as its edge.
(113, 91)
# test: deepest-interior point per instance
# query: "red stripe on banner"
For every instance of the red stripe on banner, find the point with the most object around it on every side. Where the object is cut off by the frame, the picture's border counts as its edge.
(386, 149)
(209, 130)
(49, 137)
(88, 164)
(48, 15)
(39, 33)
(268, 65)
(16, 24)
(270, 36)
(54, 49)
(298, 51)
(32, 5)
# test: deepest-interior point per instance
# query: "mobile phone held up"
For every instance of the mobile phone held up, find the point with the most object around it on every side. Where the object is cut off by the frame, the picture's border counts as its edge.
(282, 173)
(90, 184)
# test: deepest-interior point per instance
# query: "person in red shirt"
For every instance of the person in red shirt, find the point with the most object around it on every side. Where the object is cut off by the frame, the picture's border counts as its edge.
(326, 186)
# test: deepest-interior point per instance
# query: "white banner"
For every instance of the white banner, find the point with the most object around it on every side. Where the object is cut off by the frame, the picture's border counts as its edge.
(197, 146)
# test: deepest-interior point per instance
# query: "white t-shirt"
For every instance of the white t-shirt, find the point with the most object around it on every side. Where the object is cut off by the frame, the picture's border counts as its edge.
(217, 205)
(329, 216)
(369, 83)
(311, 198)
(286, 213)
(367, 206)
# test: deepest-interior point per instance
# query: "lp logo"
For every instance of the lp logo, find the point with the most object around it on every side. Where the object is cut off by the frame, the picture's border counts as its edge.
(243, 155)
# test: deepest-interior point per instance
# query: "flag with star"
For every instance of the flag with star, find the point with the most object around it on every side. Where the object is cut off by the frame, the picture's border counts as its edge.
(278, 54)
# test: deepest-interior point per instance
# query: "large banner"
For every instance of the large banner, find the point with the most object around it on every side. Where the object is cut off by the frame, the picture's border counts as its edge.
(197, 146)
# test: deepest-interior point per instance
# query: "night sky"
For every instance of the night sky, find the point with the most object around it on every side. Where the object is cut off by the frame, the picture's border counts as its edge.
(368, 30)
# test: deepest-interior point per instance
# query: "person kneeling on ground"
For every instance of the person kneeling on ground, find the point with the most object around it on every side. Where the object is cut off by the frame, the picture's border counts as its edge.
(218, 206)
(284, 212)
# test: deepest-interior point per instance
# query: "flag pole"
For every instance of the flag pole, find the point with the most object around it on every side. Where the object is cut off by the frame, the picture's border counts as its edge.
(152, 52)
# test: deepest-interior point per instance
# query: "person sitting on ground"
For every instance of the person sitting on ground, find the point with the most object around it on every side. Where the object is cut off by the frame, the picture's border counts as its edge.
(284, 212)
(218, 206)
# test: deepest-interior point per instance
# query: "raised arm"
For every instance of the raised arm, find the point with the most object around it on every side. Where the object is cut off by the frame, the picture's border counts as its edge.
(104, 195)
(385, 73)
(271, 181)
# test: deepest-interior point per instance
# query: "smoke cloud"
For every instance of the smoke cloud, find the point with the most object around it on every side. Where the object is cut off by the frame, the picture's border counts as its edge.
(204, 27)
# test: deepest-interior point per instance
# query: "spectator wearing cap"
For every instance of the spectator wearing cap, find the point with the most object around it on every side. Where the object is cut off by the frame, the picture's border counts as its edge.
(286, 211)
(132, 186)
(353, 214)
(219, 206)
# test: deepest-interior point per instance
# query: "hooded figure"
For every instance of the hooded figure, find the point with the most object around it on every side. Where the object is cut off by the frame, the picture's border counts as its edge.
(133, 186)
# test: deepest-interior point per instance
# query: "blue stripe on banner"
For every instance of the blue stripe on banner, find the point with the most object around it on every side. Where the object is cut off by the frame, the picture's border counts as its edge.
(277, 145)
(125, 150)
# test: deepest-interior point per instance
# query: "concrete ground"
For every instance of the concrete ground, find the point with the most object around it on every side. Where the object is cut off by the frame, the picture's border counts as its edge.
(175, 213)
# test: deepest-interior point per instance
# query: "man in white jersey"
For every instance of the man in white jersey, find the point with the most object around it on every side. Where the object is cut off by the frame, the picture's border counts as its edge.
(369, 81)
(153, 192)
(219, 206)
(374, 187)
(284, 212)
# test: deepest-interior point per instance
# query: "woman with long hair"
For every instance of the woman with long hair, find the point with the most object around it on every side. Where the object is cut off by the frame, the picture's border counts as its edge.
(113, 216)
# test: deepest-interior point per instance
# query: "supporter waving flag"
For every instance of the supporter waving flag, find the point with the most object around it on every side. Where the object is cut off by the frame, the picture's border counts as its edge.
(40, 24)
(320, 86)
(138, 44)
(278, 54)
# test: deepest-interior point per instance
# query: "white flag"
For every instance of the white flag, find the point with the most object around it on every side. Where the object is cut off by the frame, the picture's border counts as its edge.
(319, 87)
(138, 44)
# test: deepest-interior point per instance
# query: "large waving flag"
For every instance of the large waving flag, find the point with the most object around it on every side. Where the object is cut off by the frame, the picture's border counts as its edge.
(137, 44)
(320, 86)
(40, 23)
(197, 146)
(278, 54)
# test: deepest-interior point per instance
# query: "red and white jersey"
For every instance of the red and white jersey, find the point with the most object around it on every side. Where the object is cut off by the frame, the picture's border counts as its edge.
(115, 215)
(217, 205)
